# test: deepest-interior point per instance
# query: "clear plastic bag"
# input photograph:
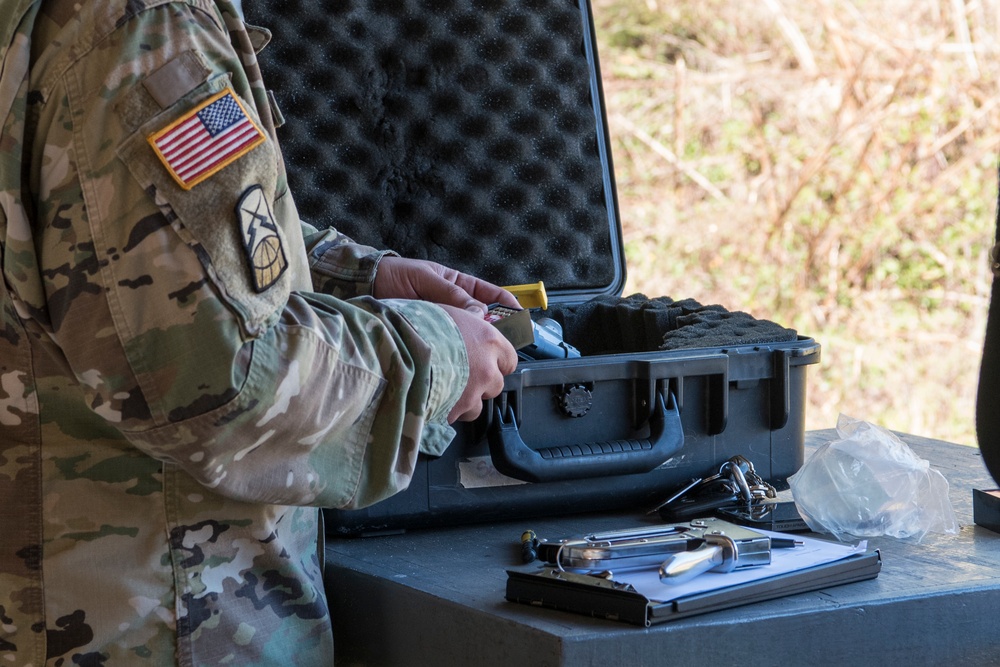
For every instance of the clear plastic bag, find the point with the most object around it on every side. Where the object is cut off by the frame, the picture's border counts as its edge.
(869, 483)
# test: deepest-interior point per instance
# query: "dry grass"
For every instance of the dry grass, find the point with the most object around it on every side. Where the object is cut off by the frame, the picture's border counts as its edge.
(828, 164)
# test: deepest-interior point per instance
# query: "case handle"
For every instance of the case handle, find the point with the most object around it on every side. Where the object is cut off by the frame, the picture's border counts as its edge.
(514, 458)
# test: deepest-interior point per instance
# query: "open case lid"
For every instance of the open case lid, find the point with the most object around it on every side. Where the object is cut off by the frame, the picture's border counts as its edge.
(468, 132)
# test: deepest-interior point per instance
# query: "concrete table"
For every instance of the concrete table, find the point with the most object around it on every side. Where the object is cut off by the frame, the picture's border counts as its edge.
(436, 597)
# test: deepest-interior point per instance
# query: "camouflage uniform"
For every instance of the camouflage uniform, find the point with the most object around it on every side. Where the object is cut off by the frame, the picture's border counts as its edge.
(186, 370)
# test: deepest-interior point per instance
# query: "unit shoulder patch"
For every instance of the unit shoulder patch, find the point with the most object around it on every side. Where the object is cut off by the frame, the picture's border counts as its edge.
(206, 139)
(261, 242)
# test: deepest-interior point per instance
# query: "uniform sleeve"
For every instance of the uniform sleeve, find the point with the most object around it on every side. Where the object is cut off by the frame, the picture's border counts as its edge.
(188, 311)
(338, 265)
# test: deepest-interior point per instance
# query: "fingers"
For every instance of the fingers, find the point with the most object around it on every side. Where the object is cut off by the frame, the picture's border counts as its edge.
(454, 288)
(403, 278)
(449, 294)
(470, 405)
(466, 410)
(484, 291)
(506, 363)
(491, 357)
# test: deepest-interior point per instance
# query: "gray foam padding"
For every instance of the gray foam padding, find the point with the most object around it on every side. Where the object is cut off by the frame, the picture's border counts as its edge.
(468, 132)
(462, 131)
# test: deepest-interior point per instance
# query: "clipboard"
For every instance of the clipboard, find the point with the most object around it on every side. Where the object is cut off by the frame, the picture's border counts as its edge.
(619, 601)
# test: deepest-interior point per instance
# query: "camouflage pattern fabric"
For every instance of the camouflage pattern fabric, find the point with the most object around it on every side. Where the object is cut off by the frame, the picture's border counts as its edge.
(186, 371)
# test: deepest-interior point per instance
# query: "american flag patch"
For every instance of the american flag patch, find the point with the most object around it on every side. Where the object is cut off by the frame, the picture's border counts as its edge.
(206, 139)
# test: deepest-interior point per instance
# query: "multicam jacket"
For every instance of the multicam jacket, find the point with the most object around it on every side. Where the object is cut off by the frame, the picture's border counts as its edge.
(186, 371)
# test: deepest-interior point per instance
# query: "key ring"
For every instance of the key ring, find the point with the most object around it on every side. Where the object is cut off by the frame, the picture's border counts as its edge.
(756, 488)
(736, 474)
(736, 482)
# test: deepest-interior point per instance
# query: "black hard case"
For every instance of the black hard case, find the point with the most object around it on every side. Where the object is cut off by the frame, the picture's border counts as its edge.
(473, 133)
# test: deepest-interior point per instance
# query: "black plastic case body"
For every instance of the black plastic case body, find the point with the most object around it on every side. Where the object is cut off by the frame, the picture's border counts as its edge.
(474, 134)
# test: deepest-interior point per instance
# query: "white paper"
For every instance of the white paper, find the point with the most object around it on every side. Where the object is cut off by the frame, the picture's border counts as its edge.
(812, 552)
(479, 472)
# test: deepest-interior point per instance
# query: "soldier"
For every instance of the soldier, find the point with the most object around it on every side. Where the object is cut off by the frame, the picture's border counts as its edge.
(186, 370)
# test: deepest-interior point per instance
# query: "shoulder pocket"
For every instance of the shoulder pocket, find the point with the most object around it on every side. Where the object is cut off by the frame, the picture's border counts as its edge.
(202, 160)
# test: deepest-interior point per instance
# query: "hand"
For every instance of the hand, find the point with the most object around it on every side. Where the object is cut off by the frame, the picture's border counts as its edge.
(402, 278)
(491, 357)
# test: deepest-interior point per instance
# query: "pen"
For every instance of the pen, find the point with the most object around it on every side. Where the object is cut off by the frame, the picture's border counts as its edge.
(785, 543)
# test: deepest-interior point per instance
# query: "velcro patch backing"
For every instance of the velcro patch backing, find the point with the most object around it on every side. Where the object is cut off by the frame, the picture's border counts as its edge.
(214, 134)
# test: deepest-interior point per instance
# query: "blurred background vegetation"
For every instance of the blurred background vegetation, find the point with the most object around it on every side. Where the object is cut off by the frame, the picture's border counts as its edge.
(827, 164)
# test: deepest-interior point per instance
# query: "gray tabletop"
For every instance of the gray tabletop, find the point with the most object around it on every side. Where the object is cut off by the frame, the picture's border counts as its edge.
(436, 597)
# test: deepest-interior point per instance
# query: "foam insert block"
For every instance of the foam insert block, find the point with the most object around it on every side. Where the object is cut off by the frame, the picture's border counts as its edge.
(462, 131)
(468, 132)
